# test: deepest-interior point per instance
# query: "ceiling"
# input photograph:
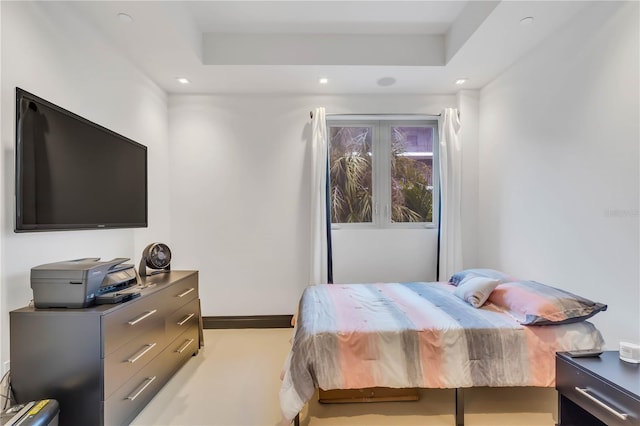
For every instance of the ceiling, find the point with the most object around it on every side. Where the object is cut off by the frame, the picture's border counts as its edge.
(421, 47)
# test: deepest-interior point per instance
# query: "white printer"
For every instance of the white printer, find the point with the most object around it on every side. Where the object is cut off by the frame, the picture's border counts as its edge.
(77, 283)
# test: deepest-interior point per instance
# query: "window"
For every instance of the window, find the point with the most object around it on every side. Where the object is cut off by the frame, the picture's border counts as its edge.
(382, 172)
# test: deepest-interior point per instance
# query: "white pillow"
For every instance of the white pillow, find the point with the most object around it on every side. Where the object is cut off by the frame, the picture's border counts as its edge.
(476, 290)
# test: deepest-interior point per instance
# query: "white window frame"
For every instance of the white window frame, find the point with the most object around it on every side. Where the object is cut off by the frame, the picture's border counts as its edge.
(381, 168)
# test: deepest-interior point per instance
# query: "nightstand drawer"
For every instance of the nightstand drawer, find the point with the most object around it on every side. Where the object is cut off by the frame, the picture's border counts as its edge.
(596, 396)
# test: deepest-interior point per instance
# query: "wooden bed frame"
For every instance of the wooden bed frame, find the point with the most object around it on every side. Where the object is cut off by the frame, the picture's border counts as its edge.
(384, 395)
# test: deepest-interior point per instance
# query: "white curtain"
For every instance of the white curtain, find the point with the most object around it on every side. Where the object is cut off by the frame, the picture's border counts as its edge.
(450, 260)
(319, 226)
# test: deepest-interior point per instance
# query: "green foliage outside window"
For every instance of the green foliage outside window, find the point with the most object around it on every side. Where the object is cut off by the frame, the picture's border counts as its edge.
(351, 178)
(350, 172)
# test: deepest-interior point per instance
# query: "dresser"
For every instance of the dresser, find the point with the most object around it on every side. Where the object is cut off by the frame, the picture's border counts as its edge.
(103, 364)
(597, 391)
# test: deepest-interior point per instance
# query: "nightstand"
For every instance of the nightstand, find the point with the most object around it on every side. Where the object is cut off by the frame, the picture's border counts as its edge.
(597, 391)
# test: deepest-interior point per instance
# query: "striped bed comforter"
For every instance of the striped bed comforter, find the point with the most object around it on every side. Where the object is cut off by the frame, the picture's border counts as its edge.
(351, 336)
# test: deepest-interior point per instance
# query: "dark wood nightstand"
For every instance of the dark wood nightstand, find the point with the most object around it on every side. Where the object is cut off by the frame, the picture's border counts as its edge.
(597, 391)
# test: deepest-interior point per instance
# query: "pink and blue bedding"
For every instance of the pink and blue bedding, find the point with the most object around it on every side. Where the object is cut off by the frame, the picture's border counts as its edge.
(404, 335)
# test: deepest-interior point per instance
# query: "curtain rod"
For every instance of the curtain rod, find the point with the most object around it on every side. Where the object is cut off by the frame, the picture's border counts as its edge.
(398, 114)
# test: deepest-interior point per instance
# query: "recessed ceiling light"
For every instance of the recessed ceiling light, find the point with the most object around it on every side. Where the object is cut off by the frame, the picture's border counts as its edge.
(461, 81)
(123, 17)
(526, 21)
(183, 80)
(386, 81)
(323, 80)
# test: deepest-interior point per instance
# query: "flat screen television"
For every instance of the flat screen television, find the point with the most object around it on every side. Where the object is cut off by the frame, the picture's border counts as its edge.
(72, 173)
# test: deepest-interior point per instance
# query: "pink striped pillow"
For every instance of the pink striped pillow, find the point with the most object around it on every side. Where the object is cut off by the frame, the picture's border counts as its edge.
(534, 303)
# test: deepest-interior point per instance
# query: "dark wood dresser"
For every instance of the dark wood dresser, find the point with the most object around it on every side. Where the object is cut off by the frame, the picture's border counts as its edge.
(597, 391)
(104, 363)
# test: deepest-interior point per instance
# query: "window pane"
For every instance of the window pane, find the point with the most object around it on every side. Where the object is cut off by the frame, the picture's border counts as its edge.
(350, 158)
(411, 174)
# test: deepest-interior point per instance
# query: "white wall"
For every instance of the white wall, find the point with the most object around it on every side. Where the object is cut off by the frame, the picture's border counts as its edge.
(384, 255)
(559, 165)
(47, 51)
(240, 200)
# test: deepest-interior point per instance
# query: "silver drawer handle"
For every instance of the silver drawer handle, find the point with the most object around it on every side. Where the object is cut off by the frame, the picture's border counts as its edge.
(185, 346)
(141, 389)
(140, 354)
(621, 416)
(186, 319)
(141, 317)
(187, 292)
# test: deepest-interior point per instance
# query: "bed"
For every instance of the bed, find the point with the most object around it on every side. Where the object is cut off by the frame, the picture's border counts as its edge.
(426, 335)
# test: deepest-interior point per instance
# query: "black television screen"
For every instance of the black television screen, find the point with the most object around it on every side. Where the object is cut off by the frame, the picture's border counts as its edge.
(75, 174)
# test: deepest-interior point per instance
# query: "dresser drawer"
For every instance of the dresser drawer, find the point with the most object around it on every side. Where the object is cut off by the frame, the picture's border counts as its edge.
(182, 293)
(186, 345)
(134, 319)
(599, 398)
(183, 319)
(127, 401)
(122, 364)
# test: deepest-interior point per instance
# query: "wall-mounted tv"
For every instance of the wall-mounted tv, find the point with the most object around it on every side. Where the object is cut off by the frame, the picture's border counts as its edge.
(72, 173)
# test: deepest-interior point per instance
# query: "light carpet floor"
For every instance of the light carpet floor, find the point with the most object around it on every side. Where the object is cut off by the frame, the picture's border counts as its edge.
(235, 379)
